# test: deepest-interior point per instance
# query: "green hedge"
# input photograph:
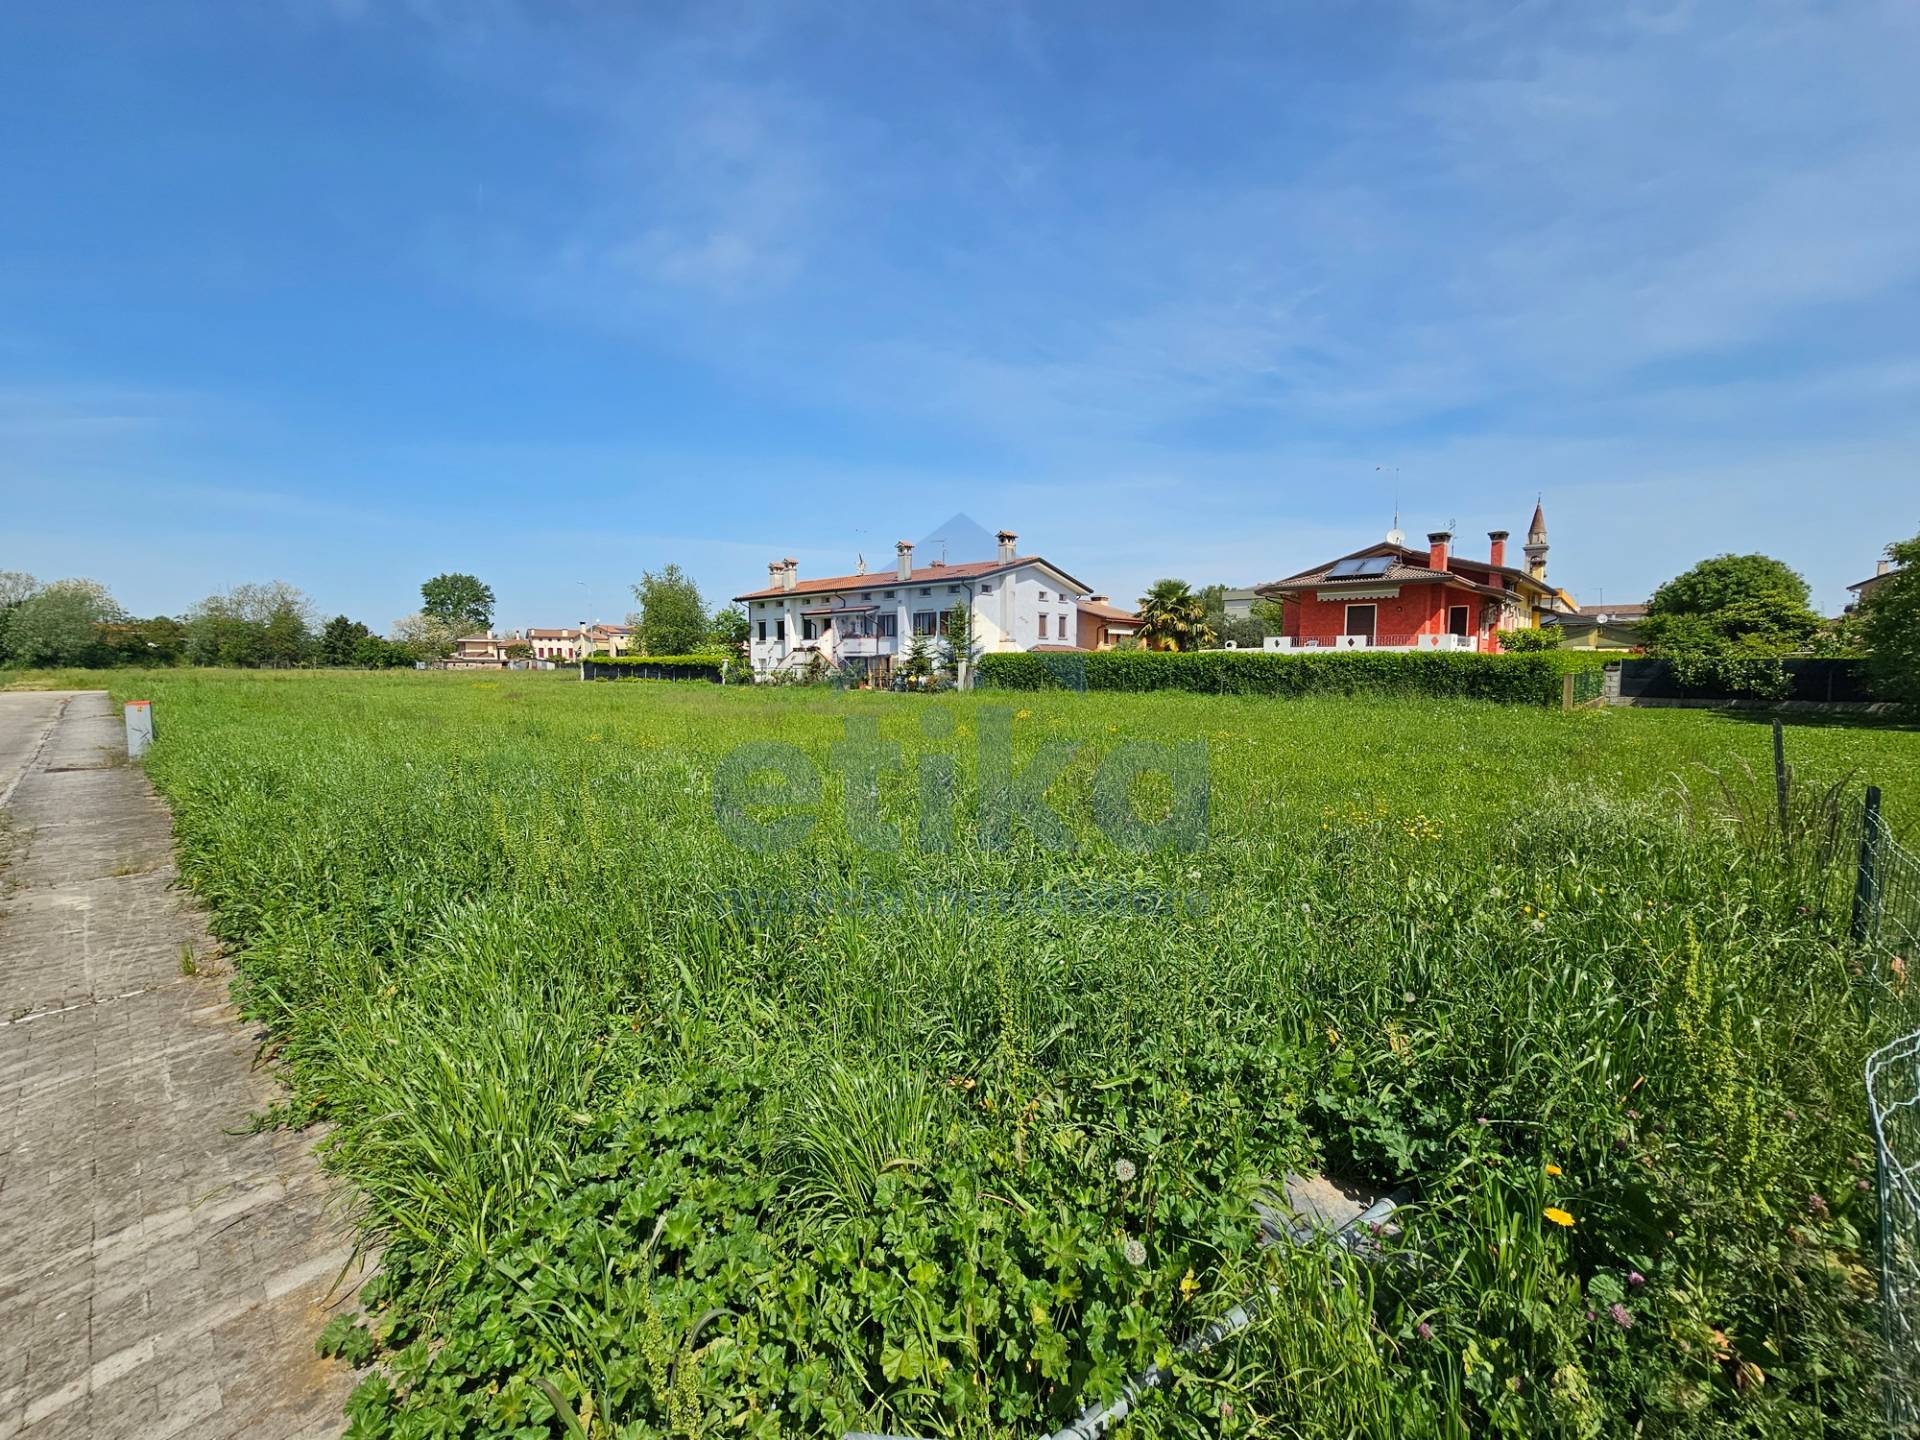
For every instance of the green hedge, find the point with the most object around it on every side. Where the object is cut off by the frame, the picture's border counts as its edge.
(1532, 679)
(670, 667)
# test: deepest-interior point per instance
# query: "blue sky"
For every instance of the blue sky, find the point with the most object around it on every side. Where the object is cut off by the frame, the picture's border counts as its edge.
(349, 293)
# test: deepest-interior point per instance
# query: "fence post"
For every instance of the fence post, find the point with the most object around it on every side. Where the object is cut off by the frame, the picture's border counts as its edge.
(1866, 884)
(139, 716)
(1566, 691)
(1780, 784)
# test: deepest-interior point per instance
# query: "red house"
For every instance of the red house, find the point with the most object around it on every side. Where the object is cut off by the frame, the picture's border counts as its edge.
(1390, 597)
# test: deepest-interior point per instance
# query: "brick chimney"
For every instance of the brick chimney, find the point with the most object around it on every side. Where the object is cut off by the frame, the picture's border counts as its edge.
(774, 571)
(1006, 539)
(789, 573)
(1437, 542)
(1497, 542)
(902, 559)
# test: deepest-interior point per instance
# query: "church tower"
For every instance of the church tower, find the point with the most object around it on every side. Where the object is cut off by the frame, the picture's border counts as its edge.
(1536, 546)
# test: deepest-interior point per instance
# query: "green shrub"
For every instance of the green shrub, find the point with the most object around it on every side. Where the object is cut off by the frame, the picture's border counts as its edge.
(1514, 679)
(1528, 642)
(679, 667)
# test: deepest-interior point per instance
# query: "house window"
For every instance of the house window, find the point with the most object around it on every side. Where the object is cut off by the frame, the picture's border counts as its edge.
(986, 589)
(1043, 627)
(808, 630)
(866, 595)
(926, 589)
(763, 630)
(1043, 594)
(1063, 627)
(886, 594)
(1360, 620)
(1457, 620)
(889, 625)
(923, 622)
(780, 632)
(953, 589)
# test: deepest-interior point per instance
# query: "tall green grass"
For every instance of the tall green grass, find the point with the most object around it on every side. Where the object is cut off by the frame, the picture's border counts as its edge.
(950, 1167)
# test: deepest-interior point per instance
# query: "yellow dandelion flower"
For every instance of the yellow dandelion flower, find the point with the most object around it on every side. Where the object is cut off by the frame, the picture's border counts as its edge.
(1558, 1216)
(1188, 1285)
(1023, 714)
(1553, 1170)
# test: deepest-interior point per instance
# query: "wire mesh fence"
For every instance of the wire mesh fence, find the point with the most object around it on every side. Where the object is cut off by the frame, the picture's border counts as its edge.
(1886, 926)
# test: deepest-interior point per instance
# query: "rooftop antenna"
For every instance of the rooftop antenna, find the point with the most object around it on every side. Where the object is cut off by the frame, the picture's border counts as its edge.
(1395, 536)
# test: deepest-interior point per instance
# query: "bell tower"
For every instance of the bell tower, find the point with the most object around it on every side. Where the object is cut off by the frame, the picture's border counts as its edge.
(1536, 546)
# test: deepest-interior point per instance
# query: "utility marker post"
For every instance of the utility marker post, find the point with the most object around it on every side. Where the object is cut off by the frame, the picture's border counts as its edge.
(139, 728)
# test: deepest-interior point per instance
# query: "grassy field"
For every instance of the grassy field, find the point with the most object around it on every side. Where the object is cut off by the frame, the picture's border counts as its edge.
(962, 1130)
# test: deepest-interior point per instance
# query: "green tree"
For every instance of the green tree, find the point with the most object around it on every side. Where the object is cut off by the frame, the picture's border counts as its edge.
(1889, 625)
(917, 663)
(460, 600)
(376, 652)
(672, 617)
(1173, 617)
(159, 641)
(1213, 606)
(251, 625)
(957, 644)
(61, 624)
(1246, 634)
(339, 640)
(16, 588)
(1542, 637)
(728, 630)
(426, 637)
(1749, 605)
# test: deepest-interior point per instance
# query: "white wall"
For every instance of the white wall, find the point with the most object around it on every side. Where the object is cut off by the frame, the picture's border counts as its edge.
(1006, 612)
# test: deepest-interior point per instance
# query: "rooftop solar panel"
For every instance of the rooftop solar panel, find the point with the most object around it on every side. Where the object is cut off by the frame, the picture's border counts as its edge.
(1360, 566)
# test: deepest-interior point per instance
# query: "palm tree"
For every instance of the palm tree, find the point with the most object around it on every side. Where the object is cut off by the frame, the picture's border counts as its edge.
(1174, 618)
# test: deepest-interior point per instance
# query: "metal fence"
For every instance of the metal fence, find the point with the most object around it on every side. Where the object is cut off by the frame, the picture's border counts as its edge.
(1886, 927)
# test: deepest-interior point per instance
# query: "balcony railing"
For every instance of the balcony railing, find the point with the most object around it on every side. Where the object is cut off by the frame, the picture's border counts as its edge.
(1371, 642)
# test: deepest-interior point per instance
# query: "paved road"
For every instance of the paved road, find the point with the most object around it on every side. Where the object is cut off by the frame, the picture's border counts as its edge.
(160, 1274)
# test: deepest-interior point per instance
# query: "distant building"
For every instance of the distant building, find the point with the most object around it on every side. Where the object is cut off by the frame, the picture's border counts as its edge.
(1861, 589)
(863, 623)
(1601, 627)
(567, 646)
(1102, 625)
(1239, 603)
(1388, 596)
(481, 652)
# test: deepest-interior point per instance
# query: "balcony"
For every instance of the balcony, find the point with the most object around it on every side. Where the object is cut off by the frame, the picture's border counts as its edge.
(1286, 644)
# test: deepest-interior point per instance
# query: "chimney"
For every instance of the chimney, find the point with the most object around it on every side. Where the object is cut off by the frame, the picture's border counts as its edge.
(1437, 549)
(902, 559)
(789, 573)
(1096, 599)
(1006, 539)
(1497, 540)
(1882, 567)
(774, 572)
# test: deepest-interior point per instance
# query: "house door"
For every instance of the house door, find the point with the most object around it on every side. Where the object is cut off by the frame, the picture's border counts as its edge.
(1360, 620)
(1457, 620)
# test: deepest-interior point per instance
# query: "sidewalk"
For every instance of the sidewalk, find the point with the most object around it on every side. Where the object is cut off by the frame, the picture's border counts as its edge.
(162, 1272)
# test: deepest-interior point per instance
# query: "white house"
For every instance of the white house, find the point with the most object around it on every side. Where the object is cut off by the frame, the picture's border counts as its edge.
(866, 622)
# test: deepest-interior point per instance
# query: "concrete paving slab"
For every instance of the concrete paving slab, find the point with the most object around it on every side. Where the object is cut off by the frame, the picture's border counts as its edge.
(162, 1271)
